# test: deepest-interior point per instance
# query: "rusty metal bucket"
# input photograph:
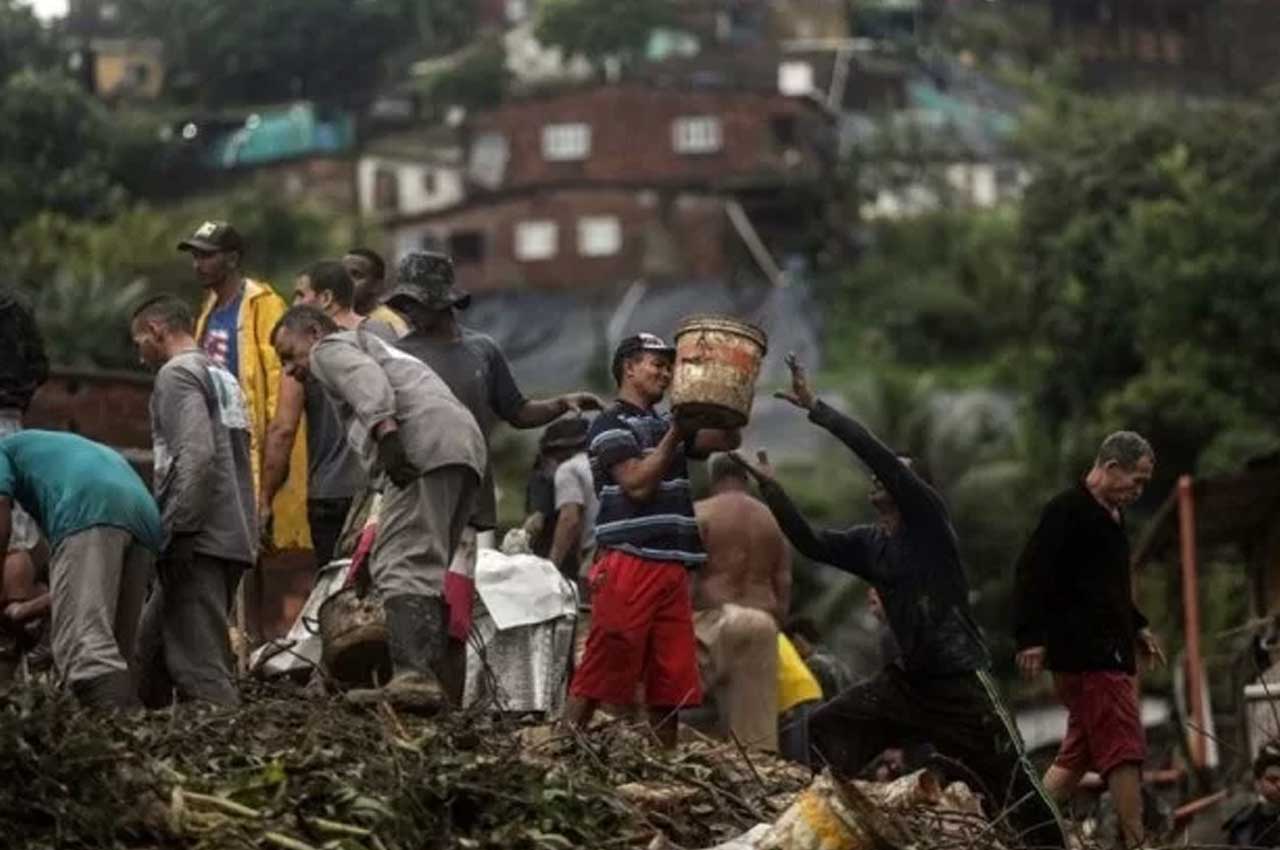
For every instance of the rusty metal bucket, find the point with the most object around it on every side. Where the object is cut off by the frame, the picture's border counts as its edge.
(353, 638)
(718, 359)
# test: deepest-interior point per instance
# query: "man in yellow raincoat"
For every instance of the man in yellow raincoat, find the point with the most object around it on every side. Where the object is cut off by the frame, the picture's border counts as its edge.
(234, 329)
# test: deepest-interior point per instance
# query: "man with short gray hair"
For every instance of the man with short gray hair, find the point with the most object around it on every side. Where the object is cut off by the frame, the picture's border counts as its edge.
(1074, 614)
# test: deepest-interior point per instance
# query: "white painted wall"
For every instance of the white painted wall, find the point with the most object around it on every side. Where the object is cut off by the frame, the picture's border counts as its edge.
(412, 180)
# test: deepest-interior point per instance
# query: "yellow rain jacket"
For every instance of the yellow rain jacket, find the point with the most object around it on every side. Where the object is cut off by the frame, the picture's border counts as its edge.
(259, 371)
(795, 683)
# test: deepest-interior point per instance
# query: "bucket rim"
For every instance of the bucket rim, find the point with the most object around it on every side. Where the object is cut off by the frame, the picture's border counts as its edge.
(742, 326)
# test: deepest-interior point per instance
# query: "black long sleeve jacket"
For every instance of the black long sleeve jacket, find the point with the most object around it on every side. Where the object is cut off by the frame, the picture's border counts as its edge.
(917, 570)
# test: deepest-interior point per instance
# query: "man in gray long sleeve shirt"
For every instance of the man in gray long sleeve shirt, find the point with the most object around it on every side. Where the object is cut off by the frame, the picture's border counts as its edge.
(414, 435)
(940, 690)
(203, 484)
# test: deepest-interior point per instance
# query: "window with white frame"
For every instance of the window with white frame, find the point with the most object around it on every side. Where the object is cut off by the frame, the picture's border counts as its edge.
(536, 240)
(563, 142)
(697, 134)
(599, 235)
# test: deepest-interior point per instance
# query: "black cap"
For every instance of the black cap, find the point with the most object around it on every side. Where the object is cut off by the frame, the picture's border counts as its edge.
(213, 236)
(568, 433)
(634, 345)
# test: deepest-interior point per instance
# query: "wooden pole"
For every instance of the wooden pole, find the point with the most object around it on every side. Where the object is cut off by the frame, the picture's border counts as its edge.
(1191, 617)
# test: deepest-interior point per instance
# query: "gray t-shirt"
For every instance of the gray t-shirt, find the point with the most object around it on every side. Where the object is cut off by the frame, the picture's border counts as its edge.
(203, 480)
(371, 381)
(334, 472)
(574, 486)
(475, 369)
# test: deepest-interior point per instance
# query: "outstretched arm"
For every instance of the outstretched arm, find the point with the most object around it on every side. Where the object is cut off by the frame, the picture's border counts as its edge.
(847, 550)
(517, 411)
(915, 499)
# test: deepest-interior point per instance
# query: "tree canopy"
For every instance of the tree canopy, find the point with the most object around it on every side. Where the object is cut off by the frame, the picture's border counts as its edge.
(243, 51)
(601, 29)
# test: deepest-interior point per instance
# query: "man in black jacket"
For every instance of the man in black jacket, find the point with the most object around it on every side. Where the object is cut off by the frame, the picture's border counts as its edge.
(1074, 614)
(939, 689)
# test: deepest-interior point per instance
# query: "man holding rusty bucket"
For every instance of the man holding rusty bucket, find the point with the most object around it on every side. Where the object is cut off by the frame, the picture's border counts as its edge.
(647, 535)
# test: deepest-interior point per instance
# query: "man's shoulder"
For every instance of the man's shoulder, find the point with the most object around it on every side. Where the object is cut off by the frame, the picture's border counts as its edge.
(1065, 501)
(578, 465)
(1248, 817)
(335, 342)
(478, 340)
(607, 419)
(186, 362)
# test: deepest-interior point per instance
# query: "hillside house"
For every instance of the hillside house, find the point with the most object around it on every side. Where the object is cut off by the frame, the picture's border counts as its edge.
(610, 184)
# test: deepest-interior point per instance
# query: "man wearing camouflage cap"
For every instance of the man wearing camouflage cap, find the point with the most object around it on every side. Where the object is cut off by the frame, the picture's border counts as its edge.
(475, 369)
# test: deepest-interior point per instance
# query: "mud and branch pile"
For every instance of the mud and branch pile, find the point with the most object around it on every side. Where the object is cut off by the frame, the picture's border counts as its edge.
(292, 772)
(296, 772)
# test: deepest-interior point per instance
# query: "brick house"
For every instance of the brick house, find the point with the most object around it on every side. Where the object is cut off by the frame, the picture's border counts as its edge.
(610, 184)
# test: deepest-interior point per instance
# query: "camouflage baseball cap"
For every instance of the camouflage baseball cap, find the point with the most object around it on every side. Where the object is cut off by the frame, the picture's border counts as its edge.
(427, 278)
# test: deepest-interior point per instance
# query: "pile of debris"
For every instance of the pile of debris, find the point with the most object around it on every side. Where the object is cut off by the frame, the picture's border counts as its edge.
(293, 771)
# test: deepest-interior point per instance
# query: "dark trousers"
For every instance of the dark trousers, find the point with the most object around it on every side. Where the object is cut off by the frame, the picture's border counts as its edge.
(183, 638)
(793, 732)
(965, 720)
(326, 518)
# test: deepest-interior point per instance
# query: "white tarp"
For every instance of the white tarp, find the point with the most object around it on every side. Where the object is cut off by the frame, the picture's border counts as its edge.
(300, 648)
(520, 590)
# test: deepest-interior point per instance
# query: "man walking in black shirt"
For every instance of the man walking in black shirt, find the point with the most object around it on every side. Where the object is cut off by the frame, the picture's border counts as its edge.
(940, 689)
(1074, 614)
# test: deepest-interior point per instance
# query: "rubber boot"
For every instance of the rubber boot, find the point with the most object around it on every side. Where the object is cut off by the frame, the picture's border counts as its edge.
(112, 691)
(416, 644)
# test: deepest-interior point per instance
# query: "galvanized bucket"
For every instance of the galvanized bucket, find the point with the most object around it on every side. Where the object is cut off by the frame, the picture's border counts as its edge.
(353, 638)
(718, 359)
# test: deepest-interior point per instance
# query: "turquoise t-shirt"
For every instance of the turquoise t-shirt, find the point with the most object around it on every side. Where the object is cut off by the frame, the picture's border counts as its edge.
(68, 484)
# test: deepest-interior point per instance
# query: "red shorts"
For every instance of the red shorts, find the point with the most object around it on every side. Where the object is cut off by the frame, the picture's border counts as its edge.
(641, 633)
(1104, 726)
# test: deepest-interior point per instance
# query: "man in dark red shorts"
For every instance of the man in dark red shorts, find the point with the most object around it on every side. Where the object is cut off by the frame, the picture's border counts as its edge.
(642, 617)
(1075, 615)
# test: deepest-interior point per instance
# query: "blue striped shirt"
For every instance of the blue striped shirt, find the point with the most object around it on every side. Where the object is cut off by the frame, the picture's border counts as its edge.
(661, 529)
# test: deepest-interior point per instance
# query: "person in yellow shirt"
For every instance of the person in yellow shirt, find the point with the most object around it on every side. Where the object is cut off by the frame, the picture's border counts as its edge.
(369, 274)
(798, 694)
(234, 329)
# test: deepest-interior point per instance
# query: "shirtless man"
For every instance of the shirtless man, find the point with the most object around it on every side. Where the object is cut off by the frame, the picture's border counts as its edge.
(740, 599)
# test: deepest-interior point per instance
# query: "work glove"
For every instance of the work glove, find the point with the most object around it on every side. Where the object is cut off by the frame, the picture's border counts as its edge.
(181, 551)
(392, 456)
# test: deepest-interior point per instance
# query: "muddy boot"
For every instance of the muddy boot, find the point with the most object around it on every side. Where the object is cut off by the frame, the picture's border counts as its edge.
(115, 690)
(416, 643)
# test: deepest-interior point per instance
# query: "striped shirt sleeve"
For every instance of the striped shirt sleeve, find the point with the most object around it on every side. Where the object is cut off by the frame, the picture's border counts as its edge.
(612, 442)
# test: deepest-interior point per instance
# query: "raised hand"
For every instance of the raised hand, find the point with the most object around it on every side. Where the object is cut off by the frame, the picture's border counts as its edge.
(579, 402)
(801, 395)
(761, 470)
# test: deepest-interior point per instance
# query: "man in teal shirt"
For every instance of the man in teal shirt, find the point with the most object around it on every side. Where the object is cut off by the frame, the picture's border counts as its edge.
(104, 530)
